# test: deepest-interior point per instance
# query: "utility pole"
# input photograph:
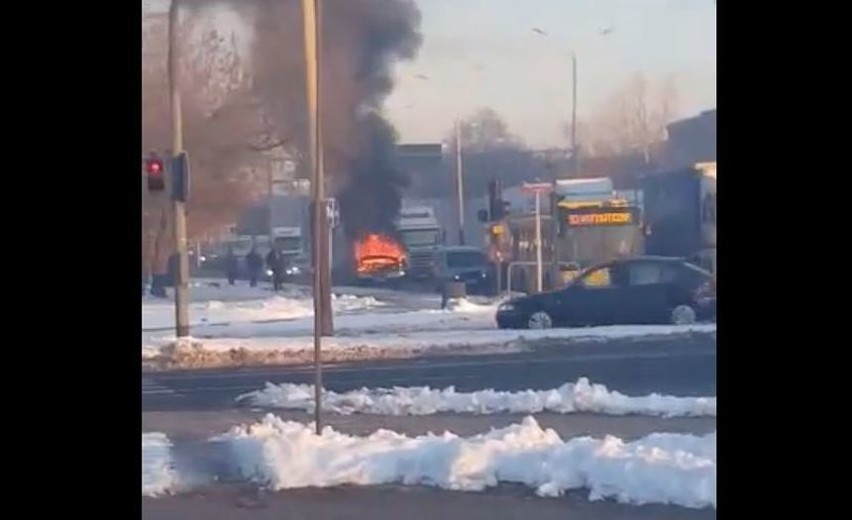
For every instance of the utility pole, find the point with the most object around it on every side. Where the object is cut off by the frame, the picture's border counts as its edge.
(270, 203)
(459, 182)
(312, 16)
(537, 189)
(574, 155)
(179, 206)
(538, 266)
(554, 220)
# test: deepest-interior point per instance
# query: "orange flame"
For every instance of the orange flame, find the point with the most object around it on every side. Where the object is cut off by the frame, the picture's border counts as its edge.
(375, 253)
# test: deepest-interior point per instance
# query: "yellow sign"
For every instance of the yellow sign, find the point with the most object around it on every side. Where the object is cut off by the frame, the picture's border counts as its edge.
(601, 219)
(497, 229)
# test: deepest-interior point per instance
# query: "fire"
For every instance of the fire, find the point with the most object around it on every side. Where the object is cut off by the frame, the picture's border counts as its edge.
(378, 253)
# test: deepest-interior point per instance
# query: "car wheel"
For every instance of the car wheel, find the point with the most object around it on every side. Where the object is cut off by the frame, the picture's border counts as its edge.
(683, 315)
(540, 320)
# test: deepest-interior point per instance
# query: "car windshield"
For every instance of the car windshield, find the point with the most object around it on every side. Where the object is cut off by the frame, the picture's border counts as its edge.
(457, 259)
(697, 269)
(420, 237)
(288, 243)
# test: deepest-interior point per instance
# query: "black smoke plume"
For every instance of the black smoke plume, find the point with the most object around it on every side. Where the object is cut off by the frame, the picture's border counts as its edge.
(362, 40)
(371, 196)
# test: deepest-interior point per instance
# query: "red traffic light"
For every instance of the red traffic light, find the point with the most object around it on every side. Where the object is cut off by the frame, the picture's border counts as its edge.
(154, 166)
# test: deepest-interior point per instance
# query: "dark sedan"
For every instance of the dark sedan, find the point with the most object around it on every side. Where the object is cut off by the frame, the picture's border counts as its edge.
(642, 290)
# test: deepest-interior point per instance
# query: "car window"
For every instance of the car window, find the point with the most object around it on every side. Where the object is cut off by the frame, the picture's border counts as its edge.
(601, 277)
(648, 273)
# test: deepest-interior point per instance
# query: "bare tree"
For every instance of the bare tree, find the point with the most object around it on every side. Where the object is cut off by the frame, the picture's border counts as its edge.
(484, 130)
(489, 151)
(225, 129)
(632, 120)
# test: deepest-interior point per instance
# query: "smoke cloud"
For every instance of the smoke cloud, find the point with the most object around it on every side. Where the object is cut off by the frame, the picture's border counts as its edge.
(361, 42)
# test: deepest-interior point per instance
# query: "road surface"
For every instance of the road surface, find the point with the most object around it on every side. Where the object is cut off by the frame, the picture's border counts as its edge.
(395, 503)
(632, 367)
(194, 405)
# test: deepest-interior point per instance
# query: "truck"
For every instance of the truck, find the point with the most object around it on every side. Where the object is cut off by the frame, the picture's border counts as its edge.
(420, 233)
(680, 214)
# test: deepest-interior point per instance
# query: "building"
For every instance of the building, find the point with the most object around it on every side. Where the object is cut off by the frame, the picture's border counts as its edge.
(691, 141)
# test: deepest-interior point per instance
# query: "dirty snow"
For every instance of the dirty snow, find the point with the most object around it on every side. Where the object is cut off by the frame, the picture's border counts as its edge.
(660, 468)
(447, 336)
(158, 473)
(159, 314)
(581, 396)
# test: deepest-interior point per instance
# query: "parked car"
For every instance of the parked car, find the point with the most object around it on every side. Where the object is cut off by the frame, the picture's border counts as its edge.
(461, 264)
(640, 290)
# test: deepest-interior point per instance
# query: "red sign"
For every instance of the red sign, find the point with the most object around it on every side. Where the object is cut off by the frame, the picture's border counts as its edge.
(537, 187)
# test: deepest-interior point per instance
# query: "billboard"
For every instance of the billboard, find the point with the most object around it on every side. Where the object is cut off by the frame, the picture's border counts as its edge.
(600, 216)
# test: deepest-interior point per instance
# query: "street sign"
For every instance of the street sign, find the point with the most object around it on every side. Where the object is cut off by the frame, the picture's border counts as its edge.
(537, 187)
(332, 212)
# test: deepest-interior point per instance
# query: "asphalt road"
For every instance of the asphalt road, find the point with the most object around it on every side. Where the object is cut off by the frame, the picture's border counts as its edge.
(393, 503)
(633, 367)
(191, 406)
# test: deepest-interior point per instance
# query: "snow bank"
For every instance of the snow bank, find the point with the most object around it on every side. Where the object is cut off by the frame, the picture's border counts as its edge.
(581, 396)
(158, 473)
(289, 306)
(271, 347)
(660, 468)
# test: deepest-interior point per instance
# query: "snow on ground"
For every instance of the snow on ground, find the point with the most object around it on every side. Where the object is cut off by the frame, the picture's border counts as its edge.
(447, 337)
(279, 330)
(158, 473)
(660, 468)
(159, 314)
(581, 396)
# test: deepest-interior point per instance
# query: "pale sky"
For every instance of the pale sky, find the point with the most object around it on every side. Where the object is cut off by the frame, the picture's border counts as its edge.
(485, 53)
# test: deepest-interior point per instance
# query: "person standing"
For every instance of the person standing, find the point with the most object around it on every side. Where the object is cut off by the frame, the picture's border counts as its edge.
(231, 266)
(275, 261)
(255, 264)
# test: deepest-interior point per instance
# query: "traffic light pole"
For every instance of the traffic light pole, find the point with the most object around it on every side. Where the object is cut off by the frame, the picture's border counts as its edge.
(323, 325)
(179, 206)
(459, 182)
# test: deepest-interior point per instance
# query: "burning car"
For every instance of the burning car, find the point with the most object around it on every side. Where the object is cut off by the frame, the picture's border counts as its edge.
(379, 257)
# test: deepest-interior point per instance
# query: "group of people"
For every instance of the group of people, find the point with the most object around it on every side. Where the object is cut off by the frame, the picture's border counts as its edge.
(275, 261)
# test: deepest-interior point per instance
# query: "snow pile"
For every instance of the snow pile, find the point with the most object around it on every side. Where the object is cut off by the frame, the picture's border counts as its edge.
(287, 343)
(289, 306)
(581, 396)
(660, 468)
(464, 305)
(158, 473)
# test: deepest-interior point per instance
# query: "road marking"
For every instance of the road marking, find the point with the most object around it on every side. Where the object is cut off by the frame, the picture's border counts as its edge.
(423, 364)
(152, 387)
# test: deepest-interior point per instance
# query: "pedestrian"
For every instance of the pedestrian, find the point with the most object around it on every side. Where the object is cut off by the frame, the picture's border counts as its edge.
(275, 261)
(232, 265)
(255, 264)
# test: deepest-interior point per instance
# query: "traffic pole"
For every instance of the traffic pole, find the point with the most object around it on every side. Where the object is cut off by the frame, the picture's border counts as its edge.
(538, 259)
(178, 205)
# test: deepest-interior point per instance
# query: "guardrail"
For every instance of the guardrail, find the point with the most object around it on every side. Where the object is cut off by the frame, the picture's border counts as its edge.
(574, 266)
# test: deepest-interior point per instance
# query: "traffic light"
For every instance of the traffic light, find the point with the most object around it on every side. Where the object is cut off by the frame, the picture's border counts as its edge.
(155, 170)
(180, 177)
(497, 207)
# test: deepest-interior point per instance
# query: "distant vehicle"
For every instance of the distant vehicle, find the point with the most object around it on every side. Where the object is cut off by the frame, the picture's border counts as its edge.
(639, 290)
(680, 214)
(420, 232)
(461, 264)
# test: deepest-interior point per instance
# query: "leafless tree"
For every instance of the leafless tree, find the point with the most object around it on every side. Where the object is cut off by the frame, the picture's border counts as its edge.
(224, 127)
(632, 120)
(484, 130)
